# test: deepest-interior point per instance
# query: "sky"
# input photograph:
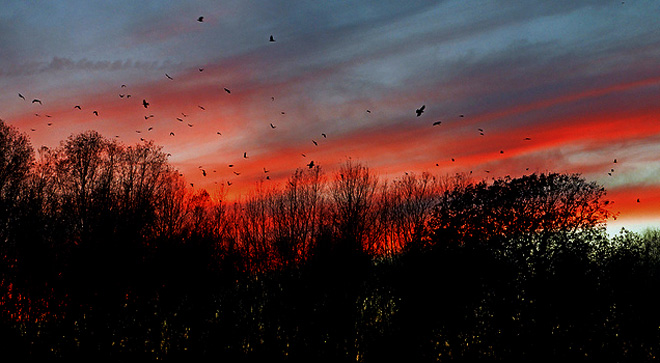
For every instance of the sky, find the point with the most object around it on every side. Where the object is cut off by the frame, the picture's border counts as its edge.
(558, 86)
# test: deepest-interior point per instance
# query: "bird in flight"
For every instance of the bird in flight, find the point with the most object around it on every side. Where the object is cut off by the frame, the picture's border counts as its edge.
(145, 103)
(149, 129)
(324, 136)
(200, 19)
(229, 183)
(272, 39)
(37, 101)
(202, 108)
(437, 123)
(190, 125)
(219, 133)
(21, 96)
(231, 165)
(527, 139)
(78, 107)
(227, 90)
(201, 69)
(237, 173)
(95, 112)
(303, 155)
(245, 155)
(203, 172)
(180, 119)
(368, 111)
(272, 126)
(614, 161)
(171, 134)
(169, 77)
(266, 171)
(637, 200)
(315, 143)
(148, 117)
(420, 110)
(461, 115)
(123, 86)
(311, 164)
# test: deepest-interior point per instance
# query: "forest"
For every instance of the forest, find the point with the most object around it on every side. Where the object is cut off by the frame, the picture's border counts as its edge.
(107, 253)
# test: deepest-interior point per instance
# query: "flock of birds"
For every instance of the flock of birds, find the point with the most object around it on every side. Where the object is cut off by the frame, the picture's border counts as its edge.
(418, 112)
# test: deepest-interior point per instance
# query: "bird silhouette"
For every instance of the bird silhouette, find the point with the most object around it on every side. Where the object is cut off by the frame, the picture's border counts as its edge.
(169, 77)
(614, 161)
(237, 173)
(201, 69)
(203, 109)
(272, 39)
(179, 119)
(78, 107)
(272, 126)
(149, 129)
(50, 124)
(219, 133)
(303, 155)
(637, 200)
(452, 159)
(311, 164)
(245, 155)
(461, 115)
(123, 86)
(420, 110)
(315, 143)
(266, 171)
(267, 177)
(368, 111)
(121, 95)
(37, 101)
(229, 183)
(145, 103)
(231, 165)
(227, 90)
(203, 172)
(95, 112)
(272, 98)
(200, 19)
(21, 96)
(324, 136)
(501, 151)
(171, 134)
(526, 139)
(190, 125)
(437, 123)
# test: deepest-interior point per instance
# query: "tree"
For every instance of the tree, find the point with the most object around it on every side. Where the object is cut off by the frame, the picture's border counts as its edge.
(352, 207)
(508, 207)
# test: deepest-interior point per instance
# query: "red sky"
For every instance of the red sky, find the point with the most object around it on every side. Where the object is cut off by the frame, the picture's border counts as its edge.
(580, 79)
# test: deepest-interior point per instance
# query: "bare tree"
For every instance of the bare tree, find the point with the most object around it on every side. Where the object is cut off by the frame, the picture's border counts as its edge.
(352, 209)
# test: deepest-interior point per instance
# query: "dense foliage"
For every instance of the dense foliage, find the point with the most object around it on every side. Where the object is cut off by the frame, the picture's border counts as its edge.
(106, 253)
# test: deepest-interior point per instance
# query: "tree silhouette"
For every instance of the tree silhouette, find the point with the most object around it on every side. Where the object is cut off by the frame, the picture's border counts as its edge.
(509, 207)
